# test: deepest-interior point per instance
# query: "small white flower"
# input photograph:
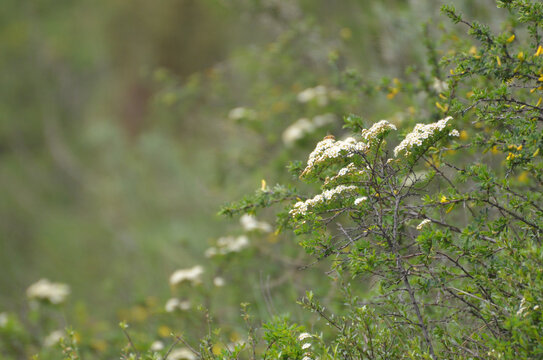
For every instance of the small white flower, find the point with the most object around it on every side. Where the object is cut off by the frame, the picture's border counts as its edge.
(440, 86)
(218, 281)
(174, 304)
(377, 129)
(240, 113)
(182, 354)
(250, 223)
(307, 358)
(53, 338)
(55, 293)
(360, 200)
(423, 223)
(319, 94)
(306, 346)
(420, 133)
(521, 307)
(304, 336)
(302, 207)
(192, 275)
(3, 319)
(454, 133)
(157, 346)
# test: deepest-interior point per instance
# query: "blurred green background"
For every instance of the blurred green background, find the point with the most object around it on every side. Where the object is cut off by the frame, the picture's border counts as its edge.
(116, 148)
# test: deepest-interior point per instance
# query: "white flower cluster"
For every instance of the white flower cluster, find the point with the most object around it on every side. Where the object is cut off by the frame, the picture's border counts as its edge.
(420, 133)
(347, 170)
(423, 223)
(320, 94)
(53, 338)
(300, 128)
(360, 200)
(440, 86)
(250, 223)
(377, 129)
(301, 207)
(241, 113)
(55, 293)
(228, 244)
(192, 275)
(174, 304)
(329, 148)
(306, 346)
(182, 354)
(454, 133)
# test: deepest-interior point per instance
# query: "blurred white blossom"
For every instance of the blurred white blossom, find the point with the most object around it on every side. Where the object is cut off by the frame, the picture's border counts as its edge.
(157, 346)
(250, 223)
(440, 86)
(192, 275)
(53, 338)
(176, 304)
(55, 293)
(218, 281)
(228, 244)
(240, 113)
(182, 354)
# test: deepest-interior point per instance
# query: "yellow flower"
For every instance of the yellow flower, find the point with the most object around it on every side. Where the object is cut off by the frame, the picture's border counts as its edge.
(499, 61)
(464, 135)
(511, 38)
(520, 56)
(473, 50)
(523, 176)
(539, 101)
(535, 153)
(443, 199)
(510, 156)
(263, 185)
(164, 331)
(539, 51)
(346, 33)
(519, 147)
(443, 108)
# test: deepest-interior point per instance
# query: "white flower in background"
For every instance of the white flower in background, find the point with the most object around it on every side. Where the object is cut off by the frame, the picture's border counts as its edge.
(377, 129)
(250, 223)
(182, 354)
(423, 223)
(420, 133)
(319, 94)
(304, 336)
(440, 86)
(306, 346)
(301, 207)
(297, 130)
(3, 320)
(157, 346)
(307, 358)
(521, 307)
(53, 338)
(228, 244)
(454, 133)
(218, 281)
(301, 127)
(324, 119)
(55, 293)
(192, 275)
(240, 113)
(360, 200)
(233, 244)
(176, 304)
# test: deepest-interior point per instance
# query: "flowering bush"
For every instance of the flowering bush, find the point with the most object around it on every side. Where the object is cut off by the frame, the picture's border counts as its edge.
(427, 225)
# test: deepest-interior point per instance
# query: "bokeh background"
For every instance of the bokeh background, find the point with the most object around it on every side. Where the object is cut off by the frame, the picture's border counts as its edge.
(118, 145)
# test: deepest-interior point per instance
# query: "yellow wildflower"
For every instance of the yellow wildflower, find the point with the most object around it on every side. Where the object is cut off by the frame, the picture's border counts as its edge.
(539, 51)
(511, 38)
